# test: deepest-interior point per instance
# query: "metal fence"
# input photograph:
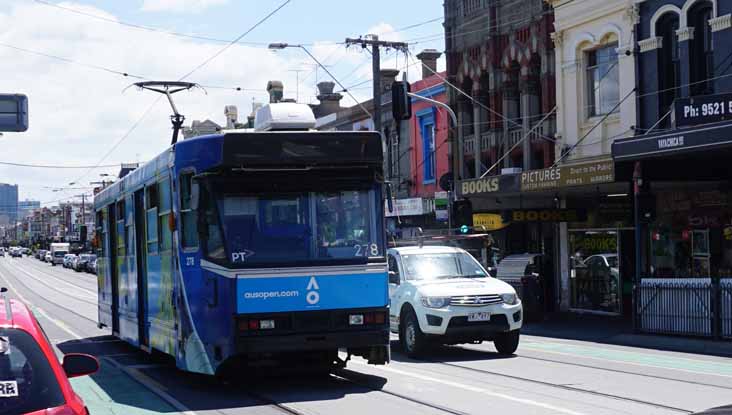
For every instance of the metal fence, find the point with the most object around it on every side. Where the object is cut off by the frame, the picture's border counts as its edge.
(725, 286)
(690, 307)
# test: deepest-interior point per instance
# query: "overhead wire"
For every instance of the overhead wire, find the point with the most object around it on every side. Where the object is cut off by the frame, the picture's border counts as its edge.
(149, 28)
(192, 71)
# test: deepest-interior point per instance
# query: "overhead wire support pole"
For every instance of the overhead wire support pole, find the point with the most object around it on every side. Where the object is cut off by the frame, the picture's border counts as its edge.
(376, 45)
(279, 46)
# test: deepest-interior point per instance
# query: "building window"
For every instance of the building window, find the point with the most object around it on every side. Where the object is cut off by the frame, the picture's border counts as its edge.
(427, 131)
(668, 63)
(701, 63)
(602, 80)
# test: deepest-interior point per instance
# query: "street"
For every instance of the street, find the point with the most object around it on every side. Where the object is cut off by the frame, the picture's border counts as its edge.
(546, 376)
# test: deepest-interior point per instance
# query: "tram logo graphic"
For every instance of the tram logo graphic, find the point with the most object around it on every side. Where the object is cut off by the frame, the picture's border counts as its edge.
(313, 296)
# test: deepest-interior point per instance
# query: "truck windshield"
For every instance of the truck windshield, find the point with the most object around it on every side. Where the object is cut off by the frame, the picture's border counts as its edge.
(293, 227)
(430, 266)
(59, 254)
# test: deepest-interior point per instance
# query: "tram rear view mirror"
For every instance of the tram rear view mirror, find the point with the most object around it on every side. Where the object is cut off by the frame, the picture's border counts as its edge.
(195, 193)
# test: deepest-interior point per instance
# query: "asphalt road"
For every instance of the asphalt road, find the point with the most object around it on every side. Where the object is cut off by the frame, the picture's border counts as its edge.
(546, 376)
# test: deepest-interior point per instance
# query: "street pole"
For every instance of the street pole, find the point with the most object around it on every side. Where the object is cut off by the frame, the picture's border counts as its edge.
(376, 46)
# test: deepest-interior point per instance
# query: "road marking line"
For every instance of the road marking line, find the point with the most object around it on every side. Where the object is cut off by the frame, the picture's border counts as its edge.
(40, 311)
(473, 389)
(91, 293)
(153, 385)
(625, 362)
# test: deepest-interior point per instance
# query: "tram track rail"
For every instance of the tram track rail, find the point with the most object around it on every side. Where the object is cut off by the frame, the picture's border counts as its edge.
(346, 375)
(563, 387)
(76, 297)
(58, 276)
(55, 304)
(625, 372)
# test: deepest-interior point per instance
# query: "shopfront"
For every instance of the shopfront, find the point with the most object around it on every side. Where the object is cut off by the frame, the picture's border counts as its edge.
(565, 215)
(683, 186)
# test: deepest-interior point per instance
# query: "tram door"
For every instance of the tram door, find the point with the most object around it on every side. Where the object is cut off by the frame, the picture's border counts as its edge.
(141, 263)
(112, 261)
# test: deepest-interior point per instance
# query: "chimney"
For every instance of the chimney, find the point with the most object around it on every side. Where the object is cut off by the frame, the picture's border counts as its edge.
(250, 119)
(275, 89)
(388, 76)
(429, 60)
(231, 113)
(329, 100)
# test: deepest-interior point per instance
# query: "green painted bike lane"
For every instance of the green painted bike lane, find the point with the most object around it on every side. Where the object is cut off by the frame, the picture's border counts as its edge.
(717, 368)
(112, 391)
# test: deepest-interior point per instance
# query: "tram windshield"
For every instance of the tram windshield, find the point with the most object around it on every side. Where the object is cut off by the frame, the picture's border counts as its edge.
(293, 227)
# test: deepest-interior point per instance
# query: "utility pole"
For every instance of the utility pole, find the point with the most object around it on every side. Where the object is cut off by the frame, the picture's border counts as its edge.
(376, 45)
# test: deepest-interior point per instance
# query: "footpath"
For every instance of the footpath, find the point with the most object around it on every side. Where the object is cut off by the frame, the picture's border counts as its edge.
(616, 331)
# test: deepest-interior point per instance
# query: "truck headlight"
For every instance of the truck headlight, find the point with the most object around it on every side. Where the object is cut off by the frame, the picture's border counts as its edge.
(510, 299)
(435, 302)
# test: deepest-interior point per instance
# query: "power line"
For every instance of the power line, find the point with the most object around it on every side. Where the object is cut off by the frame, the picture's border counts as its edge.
(53, 166)
(67, 60)
(233, 42)
(201, 65)
(147, 28)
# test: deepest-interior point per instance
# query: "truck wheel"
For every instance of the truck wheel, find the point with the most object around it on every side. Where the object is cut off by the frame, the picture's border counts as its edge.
(507, 343)
(410, 335)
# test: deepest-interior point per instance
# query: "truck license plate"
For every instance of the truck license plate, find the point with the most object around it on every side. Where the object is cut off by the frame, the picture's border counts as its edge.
(483, 316)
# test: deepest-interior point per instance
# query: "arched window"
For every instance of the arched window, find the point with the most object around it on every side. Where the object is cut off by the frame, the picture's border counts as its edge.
(702, 56)
(668, 61)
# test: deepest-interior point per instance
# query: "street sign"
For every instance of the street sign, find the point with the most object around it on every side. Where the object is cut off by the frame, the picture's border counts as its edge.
(13, 112)
(703, 109)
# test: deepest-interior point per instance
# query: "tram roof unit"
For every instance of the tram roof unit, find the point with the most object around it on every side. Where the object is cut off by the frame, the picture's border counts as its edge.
(283, 139)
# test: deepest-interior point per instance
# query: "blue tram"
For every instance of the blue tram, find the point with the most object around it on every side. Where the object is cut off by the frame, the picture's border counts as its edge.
(249, 245)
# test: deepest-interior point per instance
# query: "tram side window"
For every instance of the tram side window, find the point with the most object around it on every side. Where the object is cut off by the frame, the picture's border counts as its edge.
(151, 220)
(188, 215)
(121, 230)
(164, 233)
(101, 235)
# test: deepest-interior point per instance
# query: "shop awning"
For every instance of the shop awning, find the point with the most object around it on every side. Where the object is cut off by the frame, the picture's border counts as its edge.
(678, 141)
(698, 153)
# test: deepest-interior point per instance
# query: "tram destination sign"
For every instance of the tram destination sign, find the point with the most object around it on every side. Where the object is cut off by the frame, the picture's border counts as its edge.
(703, 109)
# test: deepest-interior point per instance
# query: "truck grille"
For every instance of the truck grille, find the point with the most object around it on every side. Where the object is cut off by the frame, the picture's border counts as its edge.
(475, 300)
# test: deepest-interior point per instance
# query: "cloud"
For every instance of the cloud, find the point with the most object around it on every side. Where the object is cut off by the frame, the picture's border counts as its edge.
(78, 113)
(180, 6)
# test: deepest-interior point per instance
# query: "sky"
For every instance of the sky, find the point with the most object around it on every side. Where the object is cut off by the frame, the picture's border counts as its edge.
(69, 58)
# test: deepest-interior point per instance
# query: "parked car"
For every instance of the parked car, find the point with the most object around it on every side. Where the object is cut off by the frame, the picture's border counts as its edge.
(2, 252)
(41, 254)
(26, 251)
(524, 273)
(68, 258)
(80, 263)
(441, 294)
(92, 266)
(48, 257)
(15, 252)
(33, 381)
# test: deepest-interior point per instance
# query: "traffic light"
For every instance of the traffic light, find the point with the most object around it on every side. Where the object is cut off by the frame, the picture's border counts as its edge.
(462, 214)
(401, 103)
(82, 233)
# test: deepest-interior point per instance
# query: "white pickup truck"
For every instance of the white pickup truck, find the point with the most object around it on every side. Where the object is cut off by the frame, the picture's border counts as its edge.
(442, 294)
